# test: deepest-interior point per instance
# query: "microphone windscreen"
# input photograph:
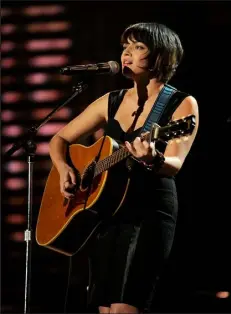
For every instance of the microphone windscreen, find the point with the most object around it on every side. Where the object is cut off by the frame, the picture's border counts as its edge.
(114, 66)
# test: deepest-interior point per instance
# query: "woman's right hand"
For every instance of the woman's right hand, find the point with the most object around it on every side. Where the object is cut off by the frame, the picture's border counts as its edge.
(67, 181)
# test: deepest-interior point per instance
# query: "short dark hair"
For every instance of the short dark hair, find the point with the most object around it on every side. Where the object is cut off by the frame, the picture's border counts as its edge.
(165, 47)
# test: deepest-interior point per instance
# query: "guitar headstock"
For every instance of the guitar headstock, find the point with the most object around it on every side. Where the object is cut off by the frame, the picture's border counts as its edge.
(174, 129)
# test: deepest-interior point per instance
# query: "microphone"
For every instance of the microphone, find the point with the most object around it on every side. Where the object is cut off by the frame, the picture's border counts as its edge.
(110, 67)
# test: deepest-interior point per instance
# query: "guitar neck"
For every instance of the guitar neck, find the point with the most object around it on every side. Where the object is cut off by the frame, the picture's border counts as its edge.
(111, 160)
(174, 129)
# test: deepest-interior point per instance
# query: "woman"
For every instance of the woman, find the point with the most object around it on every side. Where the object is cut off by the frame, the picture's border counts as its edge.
(132, 248)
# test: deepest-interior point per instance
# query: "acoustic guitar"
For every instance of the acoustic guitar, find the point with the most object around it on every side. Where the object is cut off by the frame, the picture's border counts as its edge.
(66, 225)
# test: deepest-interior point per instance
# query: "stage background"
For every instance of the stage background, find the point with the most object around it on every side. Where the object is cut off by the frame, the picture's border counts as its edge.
(38, 38)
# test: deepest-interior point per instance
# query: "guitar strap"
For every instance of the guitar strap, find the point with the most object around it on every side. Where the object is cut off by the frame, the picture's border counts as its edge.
(159, 107)
(164, 106)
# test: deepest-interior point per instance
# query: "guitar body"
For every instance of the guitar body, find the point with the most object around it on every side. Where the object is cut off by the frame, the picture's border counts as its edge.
(67, 225)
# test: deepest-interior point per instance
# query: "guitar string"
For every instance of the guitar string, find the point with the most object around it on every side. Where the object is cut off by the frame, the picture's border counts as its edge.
(121, 153)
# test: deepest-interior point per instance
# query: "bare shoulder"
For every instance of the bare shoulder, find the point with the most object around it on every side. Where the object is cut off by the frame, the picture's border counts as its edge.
(96, 109)
(90, 119)
(100, 105)
(102, 99)
(187, 107)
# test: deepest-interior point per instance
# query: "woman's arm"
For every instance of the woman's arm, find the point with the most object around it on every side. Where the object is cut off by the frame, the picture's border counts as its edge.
(92, 118)
(177, 150)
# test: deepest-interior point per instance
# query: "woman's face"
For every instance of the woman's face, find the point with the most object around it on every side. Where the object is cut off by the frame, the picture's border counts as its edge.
(134, 58)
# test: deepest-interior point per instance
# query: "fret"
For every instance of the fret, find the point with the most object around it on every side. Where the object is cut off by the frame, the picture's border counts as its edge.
(175, 129)
(111, 160)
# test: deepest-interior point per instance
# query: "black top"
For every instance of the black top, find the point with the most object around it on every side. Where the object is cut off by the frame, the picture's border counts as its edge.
(144, 185)
(113, 128)
(131, 248)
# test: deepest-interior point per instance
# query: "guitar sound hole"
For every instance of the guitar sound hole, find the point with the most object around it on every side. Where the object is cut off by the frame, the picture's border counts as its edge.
(88, 176)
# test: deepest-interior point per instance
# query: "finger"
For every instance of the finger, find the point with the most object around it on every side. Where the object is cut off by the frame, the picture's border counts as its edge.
(140, 147)
(137, 144)
(146, 146)
(153, 145)
(72, 176)
(62, 187)
(132, 150)
(62, 183)
(137, 140)
(68, 185)
(153, 148)
(67, 194)
(144, 135)
(129, 147)
(66, 178)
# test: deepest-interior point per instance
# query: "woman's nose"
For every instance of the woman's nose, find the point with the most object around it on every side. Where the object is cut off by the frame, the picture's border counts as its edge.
(128, 51)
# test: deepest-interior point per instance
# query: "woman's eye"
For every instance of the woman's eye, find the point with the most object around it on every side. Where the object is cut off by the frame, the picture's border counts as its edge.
(139, 47)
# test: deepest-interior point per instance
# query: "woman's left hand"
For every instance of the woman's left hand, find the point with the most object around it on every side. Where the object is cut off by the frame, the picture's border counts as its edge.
(142, 149)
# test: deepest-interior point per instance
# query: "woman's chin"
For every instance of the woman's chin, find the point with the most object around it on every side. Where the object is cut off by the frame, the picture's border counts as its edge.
(128, 73)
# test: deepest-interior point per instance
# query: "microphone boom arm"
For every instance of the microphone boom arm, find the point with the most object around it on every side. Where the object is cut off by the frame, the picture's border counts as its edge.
(31, 132)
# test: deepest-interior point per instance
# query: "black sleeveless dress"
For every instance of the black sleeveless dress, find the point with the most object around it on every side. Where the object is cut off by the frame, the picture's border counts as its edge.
(130, 251)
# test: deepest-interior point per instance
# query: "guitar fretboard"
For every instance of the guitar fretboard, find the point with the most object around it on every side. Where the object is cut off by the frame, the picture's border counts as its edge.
(175, 129)
(111, 160)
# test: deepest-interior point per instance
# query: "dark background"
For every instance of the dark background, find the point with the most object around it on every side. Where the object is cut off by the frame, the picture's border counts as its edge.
(200, 263)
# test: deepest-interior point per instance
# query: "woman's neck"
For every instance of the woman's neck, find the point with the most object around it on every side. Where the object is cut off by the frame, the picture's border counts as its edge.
(145, 90)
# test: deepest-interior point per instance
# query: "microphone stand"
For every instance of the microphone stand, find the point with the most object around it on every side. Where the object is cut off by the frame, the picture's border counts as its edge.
(28, 143)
